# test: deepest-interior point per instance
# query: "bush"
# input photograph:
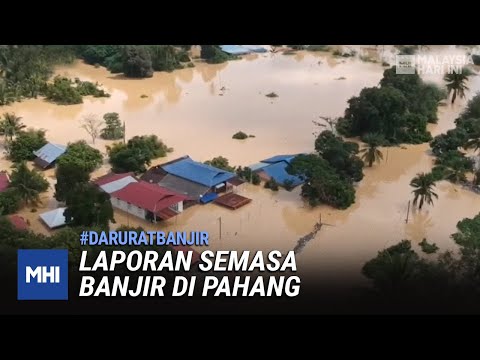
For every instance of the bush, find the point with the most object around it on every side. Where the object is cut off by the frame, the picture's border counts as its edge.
(25, 143)
(182, 56)
(240, 135)
(318, 48)
(65, 92)
(221, 163)
(86, 88)
(10, 201)
(246, 174)
(62, 92)
(271, 184)
(428, 248)
(271, 95)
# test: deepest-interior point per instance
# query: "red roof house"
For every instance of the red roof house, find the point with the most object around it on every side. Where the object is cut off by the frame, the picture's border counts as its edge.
(150, 198)
(4, 181)
(18, 222)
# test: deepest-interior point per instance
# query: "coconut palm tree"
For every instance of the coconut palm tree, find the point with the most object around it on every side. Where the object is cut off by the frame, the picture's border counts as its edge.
(370, 152)
(456, 83)
(473, 143)
(10, 125)
(456, 175)
(423, 192)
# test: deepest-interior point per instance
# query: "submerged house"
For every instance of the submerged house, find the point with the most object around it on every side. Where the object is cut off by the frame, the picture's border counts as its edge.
(194, 180)
(48, 154)
(18, 222)
(54, 218)
(235, 49)
(276, 168)
(148, 201)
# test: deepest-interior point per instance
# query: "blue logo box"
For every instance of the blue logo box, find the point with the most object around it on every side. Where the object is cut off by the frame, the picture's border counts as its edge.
(42, 274)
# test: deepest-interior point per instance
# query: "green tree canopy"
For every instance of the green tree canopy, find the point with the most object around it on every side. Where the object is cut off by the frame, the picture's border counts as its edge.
(10, 201)
(423, 185)
(28, 183)
(88, 206)
(113, 129)
(137, 61)
(74, 167)
(136, 154)
(221, 163)
(26, 142)
(10, 125)
(340, 154)
(322, 184)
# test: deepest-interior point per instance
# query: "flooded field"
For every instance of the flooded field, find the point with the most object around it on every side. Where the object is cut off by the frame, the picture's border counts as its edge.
(197, 110)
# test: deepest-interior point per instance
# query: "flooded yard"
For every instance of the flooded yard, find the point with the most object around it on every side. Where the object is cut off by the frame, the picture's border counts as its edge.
(197, 110)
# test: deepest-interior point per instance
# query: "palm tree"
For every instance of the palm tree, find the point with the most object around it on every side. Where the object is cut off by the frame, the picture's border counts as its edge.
(456, 175)
(28, 183)
(10, 125)
(473, 143)
(456, 83)
(423, 184)
(370, 151)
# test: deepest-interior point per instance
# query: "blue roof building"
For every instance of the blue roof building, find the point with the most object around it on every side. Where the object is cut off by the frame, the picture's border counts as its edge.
(198, 173)
(255, 48)
(276, 167)
(47, 154)
(234, 49)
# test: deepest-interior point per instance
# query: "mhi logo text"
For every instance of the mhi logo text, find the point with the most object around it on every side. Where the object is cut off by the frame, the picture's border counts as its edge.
(42, 275)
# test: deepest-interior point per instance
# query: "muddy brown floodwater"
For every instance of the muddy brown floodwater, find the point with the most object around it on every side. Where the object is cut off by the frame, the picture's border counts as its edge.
(197, 110)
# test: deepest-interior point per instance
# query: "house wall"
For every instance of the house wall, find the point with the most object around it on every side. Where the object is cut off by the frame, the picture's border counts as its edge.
(178, 207)
(129, 208)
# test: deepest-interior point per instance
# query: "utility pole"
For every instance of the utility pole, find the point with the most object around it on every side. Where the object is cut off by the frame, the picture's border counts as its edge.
(220, 226)
(408, 212)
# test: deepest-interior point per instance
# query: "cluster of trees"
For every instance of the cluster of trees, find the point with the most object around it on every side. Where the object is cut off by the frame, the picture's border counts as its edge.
(25, 188)
(64, 91)
(86, 204)
(138, 152)
(451, 162)
(221, 163)
(331, 172)
(20, 143)
(136, 61)
(398, 110)
(25, 69)
(400, 272)
(212, 54)
(26, 185)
